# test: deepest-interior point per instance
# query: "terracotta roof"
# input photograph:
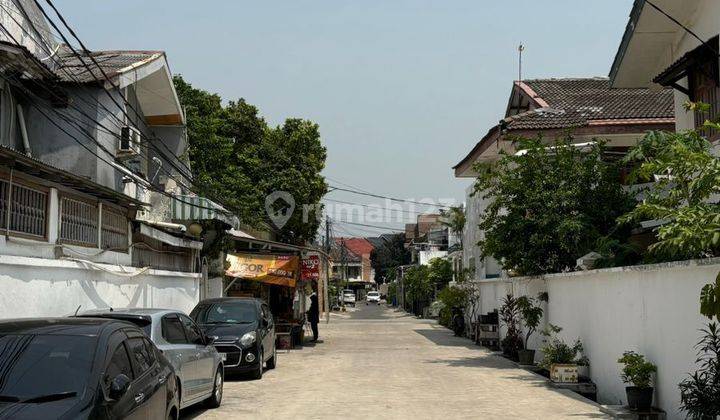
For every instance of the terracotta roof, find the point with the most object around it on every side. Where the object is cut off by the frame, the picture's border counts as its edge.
(568, 103)
(358, 246)
(112, 63)
(580, 102)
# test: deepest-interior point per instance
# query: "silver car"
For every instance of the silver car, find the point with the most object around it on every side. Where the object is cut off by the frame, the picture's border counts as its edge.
(197, 364)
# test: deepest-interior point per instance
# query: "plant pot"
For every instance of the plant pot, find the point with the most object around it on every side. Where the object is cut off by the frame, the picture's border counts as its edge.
(564, 373)
(527, 357)
(639, 399)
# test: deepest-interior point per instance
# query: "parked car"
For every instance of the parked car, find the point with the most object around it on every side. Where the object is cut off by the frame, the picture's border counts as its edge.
(243, 331)
(348, 297)
(198, 365)
(83, 368)
(373, 297)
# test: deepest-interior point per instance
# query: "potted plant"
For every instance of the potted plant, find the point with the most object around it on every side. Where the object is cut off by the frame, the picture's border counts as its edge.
(531, 314)
(699, 392)
(561, 359)
(637, 372)
(510, 317)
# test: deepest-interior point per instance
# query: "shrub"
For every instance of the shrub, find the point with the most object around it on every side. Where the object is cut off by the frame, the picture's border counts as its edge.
(637, 371)
(510, 317)
(556, 351)
(700, 393)
(531, 314)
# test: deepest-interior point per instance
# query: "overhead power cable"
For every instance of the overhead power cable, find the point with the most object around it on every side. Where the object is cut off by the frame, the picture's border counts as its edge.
(400, 200)
(138, 115)
(373, 207)
(370, 226)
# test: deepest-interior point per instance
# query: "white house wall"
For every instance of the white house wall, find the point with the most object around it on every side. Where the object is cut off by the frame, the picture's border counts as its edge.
(652, 309)
(35, 287)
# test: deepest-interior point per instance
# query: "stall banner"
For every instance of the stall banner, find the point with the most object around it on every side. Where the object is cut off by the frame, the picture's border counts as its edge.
(310, 269)
(281, 270)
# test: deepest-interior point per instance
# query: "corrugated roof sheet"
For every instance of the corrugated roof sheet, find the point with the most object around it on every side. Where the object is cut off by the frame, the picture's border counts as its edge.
(71, 68)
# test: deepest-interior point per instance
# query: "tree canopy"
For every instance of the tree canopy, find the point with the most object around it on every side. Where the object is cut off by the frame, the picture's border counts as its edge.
(238, 160)
(548, 205)
(386, 258)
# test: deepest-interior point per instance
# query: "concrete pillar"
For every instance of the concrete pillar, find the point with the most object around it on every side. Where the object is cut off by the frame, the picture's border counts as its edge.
(53, 217)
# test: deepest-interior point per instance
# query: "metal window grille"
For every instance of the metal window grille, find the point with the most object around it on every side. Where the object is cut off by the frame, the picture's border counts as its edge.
(149, 252)
(28, 209)
(114, 230)
(78, 222)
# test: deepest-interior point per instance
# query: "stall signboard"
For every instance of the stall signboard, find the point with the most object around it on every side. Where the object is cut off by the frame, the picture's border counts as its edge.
(281, 270)
(310, 269)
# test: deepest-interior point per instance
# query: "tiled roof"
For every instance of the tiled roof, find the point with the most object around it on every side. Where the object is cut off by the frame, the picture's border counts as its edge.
(359, 246)
(71, 68)
(567, 103)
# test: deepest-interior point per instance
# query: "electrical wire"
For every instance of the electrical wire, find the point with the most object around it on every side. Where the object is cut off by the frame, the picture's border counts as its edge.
(400, 200)
(138, 116)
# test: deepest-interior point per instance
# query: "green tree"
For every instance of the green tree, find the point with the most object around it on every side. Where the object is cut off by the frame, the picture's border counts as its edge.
(684, 175)
(238, 160)
(440, 272)
(392, 254)
(548, 205)
(454, 219)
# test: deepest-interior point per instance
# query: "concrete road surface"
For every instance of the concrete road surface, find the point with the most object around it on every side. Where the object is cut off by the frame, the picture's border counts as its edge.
(377, 363)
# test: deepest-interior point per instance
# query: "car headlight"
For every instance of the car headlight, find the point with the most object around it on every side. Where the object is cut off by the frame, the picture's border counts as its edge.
(247, 339)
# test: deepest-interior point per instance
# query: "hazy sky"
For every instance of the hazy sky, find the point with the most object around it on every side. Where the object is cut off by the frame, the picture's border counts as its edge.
(402, 90)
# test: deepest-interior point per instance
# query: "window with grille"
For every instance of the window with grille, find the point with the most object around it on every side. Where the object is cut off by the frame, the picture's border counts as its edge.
(27, 209)
(78, 222)
(114, 229)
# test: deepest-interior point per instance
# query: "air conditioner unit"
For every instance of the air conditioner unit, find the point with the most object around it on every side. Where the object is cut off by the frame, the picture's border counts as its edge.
(129, 140)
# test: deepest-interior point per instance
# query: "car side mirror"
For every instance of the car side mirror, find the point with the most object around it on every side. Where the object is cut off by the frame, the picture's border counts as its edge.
(209, 339)
(119, 386)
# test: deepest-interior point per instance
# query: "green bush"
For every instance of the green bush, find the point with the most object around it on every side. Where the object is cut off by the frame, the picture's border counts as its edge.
(556, 351)
(637, 371)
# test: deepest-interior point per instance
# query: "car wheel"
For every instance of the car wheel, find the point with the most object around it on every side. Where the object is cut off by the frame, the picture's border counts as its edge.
(216, 398)
(272, 362)
(258, 373)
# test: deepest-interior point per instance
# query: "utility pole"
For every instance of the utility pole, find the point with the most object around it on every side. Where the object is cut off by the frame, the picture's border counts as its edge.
(327, 269)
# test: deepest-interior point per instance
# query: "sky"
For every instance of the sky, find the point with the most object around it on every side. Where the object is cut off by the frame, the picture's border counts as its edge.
(401, 89)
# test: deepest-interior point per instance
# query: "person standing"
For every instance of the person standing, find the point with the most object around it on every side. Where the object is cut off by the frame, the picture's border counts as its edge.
(314, 316)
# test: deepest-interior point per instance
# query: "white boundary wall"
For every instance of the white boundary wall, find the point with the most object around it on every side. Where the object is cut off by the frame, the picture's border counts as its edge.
(38, 287)
(651, 309)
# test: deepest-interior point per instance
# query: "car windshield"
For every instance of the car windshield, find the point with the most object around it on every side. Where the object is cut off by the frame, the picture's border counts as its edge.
(226, 313)
(28, 361)
(373, 293)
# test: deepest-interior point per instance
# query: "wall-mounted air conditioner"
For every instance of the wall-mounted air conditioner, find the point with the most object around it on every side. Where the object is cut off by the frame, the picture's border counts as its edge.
(129, 141)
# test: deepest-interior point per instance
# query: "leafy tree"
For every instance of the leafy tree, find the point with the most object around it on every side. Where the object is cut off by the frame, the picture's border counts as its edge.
(531, 314)
(455, 221)
(686, 175)
(549, 205)
(440, 272)
(238, 160)
(392, 254)
(418, 287)
(292, 159)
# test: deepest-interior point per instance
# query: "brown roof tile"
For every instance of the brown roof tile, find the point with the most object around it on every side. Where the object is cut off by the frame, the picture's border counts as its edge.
(576, 102)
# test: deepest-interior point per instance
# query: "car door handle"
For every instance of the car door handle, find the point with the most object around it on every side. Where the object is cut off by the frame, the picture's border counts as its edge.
(139, 397)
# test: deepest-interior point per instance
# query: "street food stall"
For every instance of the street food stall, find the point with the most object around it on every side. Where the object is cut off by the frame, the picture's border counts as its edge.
(285, 281)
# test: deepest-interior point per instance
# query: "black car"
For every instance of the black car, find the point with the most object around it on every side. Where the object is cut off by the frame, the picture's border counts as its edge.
(243, 332)
(83, 368)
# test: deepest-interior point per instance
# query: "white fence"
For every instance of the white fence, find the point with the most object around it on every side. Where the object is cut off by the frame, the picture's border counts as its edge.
(38, 287)
(651, 309)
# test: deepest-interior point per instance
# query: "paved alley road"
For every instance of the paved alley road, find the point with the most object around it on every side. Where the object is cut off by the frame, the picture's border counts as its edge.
(376, 363)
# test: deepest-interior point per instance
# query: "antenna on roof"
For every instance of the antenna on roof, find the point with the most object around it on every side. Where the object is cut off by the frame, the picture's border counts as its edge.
(521, 48)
